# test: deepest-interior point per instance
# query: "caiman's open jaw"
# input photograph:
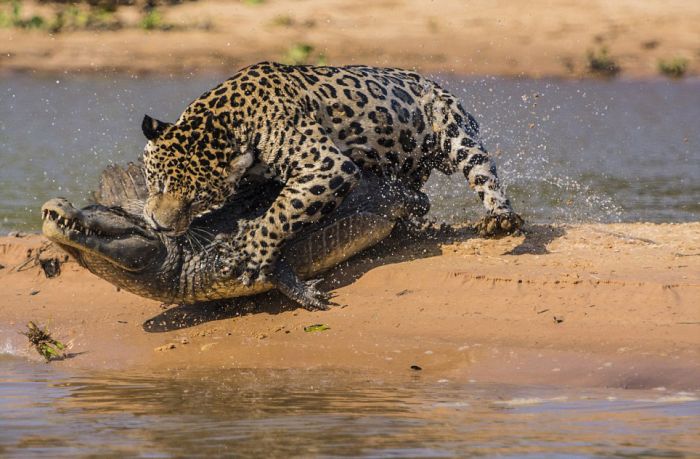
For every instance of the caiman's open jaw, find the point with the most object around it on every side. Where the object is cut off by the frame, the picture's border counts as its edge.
(115, 236)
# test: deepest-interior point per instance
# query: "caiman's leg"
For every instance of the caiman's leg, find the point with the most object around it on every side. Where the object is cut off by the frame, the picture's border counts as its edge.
(303, 292)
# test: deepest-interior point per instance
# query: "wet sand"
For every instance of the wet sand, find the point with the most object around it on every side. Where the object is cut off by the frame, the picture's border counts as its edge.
(541, 38)
(586, 305)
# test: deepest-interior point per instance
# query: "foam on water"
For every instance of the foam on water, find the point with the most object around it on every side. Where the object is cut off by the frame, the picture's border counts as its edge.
(8, 348)
(680, 397)
(524, 401)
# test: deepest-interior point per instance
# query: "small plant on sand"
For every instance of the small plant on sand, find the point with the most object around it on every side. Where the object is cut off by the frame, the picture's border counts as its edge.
(298, 53)
(601, 63)
(253, 2)
(45, 344)
(301, 53)
(153, 20)
(674, 67)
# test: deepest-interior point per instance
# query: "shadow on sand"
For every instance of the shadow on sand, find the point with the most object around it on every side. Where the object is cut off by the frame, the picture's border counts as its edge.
(399, 247)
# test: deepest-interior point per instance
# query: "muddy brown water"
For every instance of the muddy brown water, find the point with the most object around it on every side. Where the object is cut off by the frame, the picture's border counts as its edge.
(45, 412)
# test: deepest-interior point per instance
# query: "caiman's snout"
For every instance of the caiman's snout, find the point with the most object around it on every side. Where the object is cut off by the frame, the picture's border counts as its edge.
(60, 216)
(96, 231)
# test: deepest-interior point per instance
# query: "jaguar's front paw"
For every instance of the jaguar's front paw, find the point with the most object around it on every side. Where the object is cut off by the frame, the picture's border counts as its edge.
(499, 224)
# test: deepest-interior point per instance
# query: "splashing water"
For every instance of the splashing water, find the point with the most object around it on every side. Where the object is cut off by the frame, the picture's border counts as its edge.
(566, 151)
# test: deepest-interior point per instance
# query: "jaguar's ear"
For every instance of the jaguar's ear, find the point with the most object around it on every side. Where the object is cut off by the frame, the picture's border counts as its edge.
(152, 128)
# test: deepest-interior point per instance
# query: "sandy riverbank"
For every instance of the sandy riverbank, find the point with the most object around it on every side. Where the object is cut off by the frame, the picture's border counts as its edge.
(594, 305)
(538, 38)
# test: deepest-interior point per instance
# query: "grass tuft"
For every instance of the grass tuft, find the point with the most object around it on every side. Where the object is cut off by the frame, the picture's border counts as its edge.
(675, 67)
(14, 18)
(153, 20)
(601, 63)
(298, 53)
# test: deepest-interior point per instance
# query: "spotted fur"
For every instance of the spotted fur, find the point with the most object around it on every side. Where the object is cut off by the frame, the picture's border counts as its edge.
(314, 129)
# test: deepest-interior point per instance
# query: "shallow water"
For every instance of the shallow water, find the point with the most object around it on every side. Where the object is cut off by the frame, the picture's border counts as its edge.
(53, 413)
(567, 150)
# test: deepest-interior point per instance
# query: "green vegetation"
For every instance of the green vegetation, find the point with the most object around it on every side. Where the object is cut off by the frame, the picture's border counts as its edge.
(301, 53)
(316, 328)
(674, 67)
(46, 345)
(14, 18)
(72, 16)
(151, 20)
(66, 18)
(93, 18)
(253, 2)
(601, 63)
(298, 53)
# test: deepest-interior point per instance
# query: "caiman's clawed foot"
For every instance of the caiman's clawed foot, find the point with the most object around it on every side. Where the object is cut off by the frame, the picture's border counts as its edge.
(499, 224)
(303, 292)
(309, 297)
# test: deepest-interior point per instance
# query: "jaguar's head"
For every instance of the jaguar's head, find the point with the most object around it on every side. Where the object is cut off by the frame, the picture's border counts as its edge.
(192, 167)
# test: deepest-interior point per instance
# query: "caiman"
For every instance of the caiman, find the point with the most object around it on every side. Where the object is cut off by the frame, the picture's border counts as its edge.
(111, 239)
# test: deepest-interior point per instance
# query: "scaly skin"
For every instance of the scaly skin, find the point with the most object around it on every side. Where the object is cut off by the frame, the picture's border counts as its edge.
(121, 248)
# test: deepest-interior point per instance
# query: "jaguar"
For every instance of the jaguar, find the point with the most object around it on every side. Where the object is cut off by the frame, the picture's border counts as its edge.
(314, 129)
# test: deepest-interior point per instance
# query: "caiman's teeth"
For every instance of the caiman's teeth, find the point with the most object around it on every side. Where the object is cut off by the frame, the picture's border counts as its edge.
(67, 224)
(51, 215)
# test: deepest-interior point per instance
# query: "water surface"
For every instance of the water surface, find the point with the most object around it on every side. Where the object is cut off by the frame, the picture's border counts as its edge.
(50, 413)
(567, 150)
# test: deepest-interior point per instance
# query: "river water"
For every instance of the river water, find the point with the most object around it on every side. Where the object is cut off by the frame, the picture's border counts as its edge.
(45, 412)
(567, 150)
